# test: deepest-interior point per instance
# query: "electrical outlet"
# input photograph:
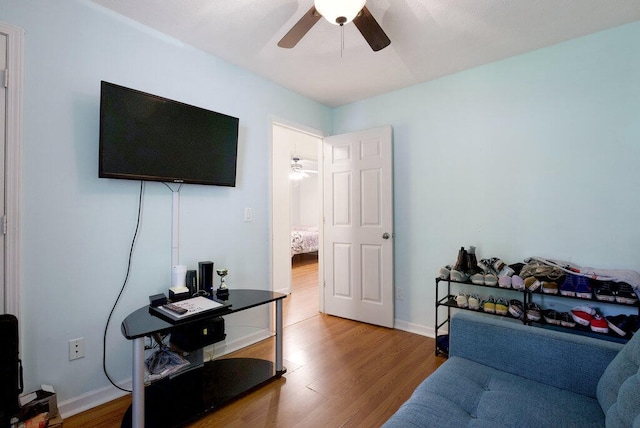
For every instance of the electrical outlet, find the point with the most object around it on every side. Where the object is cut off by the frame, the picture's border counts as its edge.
(399, 293)
(76, 348)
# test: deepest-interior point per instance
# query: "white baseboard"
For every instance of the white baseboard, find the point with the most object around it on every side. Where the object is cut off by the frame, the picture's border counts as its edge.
(92, 399)
(417, 328)
(100, 396)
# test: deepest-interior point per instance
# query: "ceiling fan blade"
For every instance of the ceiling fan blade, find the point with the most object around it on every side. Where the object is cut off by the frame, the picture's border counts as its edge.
(300, 28)
(371, 30)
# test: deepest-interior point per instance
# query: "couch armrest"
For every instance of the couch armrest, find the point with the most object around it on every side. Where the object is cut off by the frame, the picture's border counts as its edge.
(564, 360)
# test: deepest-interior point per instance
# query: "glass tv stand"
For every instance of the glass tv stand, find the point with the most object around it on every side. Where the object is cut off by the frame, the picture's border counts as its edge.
(174, 401)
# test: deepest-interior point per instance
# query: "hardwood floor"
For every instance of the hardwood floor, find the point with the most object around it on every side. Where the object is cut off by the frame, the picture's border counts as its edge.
(340, 373)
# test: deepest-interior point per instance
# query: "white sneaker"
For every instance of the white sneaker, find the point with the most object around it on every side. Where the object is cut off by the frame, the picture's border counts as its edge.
(474, 302)
(445, 271)
(462, 300)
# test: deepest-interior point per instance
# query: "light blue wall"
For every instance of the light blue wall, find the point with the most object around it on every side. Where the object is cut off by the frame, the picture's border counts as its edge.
(77, 228)
(533, 155)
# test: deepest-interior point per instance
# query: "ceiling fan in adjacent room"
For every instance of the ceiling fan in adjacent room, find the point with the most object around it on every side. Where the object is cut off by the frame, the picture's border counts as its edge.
(297, 170)
(339, 12)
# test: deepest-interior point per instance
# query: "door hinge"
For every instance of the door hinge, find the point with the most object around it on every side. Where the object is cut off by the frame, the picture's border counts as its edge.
(4, 224)
(6, 78)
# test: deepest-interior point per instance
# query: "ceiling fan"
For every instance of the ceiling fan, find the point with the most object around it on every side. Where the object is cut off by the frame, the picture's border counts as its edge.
(339, 12)
(298, 172)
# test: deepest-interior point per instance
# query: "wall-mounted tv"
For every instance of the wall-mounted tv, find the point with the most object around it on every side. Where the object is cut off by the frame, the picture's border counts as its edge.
(147, 137)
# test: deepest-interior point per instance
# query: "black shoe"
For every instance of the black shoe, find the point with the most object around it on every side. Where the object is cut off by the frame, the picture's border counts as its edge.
(619, 324)
(605, 291)
(472, 262)
(625, 294)
(462, 263)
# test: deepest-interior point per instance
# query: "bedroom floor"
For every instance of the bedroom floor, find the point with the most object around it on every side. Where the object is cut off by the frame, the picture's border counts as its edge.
(302, 303)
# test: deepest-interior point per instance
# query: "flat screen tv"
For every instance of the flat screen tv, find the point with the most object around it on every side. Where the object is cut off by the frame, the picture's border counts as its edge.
(147, 137)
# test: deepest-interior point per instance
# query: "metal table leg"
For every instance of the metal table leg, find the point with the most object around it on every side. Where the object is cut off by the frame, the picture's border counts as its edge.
(137, 394)
(279, 360)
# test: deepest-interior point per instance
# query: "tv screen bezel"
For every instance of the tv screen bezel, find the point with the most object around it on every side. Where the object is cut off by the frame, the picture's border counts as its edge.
(102, 173)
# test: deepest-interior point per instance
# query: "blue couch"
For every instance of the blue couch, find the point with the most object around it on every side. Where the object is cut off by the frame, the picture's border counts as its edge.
(501, 373)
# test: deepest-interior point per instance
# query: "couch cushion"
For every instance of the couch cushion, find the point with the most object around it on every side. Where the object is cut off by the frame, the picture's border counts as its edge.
(619, 387)
(465, 393)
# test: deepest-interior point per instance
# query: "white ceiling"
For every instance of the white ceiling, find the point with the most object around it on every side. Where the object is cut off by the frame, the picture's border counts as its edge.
(429, 38)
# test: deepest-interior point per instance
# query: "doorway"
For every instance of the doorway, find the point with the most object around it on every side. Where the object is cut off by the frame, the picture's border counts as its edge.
(296, 213)
(11, 72)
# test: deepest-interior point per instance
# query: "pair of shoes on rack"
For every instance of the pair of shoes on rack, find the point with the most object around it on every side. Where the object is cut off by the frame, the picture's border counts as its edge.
(620, 292)
(471, 301)
(624, 325)
(588, 317)
(484, 279)
(576, 286)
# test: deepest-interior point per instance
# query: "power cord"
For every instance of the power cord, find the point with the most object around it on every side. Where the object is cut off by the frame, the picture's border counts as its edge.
(124, 284)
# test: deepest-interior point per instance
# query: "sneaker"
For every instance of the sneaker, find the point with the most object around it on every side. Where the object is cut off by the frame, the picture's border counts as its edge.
(445, 271)
(458, 276)
(504, 281)
(489, 305)
(626, 294)
(517, 283)
(533, 312)
(490, 279)
(599, 324)
(502, 307)
(532, 284)
(462, 300)
(566, 320)
(583, 287)
(474, 302)
(485, 265)
(568, 287)
(551, 317)
(604, 291)
(634, 324)
(583, 315)
(515, 309)
(549, 287)
(477, 278)
(618, 324)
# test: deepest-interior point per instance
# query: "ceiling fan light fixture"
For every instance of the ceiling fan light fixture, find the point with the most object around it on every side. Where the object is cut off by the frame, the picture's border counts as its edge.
(339, 12)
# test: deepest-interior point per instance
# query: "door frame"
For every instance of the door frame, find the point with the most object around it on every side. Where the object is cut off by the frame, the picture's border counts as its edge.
(13, 166)
(296, 127)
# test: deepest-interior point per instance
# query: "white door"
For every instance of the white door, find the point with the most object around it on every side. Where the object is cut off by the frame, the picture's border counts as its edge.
(358, 221)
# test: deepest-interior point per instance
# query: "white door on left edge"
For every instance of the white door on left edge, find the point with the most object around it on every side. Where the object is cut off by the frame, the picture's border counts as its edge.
(358, 220)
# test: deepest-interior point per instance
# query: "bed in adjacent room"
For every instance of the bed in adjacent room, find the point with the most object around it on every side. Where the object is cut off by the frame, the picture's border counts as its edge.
(304, 239)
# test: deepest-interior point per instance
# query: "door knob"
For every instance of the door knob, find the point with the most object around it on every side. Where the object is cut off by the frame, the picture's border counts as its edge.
(385, 235)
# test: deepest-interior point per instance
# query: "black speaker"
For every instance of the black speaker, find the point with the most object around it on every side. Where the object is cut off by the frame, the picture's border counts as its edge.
(10, 369)
(192, 281)
(205, 276)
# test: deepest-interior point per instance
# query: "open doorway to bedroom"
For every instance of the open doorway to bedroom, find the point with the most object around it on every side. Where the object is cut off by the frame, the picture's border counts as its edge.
(296, 220)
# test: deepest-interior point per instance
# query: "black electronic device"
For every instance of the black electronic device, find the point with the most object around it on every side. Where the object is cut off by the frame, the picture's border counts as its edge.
(191, 281)
(157, 300)
(198, 334)
(148, 137)
(205, 276)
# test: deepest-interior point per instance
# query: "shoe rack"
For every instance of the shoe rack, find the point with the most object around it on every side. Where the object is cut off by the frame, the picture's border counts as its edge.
(447, 301)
